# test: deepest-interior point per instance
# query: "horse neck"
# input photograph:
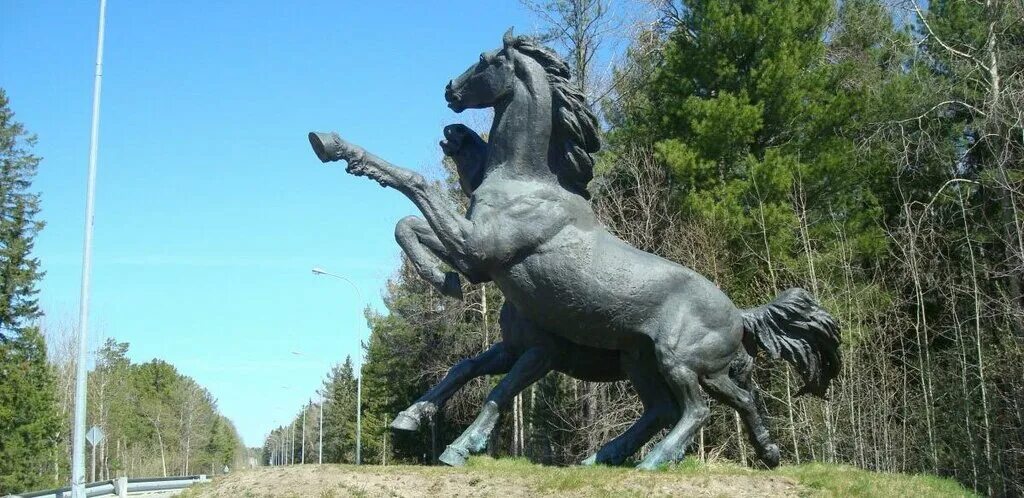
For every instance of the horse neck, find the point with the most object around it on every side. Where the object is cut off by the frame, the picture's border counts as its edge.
(521, 132)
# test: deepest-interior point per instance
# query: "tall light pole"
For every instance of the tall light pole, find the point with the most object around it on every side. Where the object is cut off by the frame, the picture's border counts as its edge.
(78, 444)
(302, 449)
(320, 449)
(359, 380)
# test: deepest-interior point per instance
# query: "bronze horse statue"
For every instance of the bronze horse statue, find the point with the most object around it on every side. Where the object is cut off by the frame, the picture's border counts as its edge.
(531, 230)
(531, 352)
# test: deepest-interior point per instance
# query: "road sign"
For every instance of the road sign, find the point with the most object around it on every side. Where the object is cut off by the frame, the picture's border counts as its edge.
(94, 436)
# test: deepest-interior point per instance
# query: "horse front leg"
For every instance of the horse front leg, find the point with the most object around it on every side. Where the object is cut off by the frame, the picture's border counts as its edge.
(426, 253)
(449, 225)
(496, 360)
(534, 364)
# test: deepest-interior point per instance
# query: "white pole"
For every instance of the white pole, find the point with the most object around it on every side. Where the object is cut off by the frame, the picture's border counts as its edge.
(359, 416)
(320, 450)
(359, 380)
(78, 444)
(302, 449)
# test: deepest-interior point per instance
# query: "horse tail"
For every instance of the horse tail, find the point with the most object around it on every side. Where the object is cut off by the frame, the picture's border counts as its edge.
(796, 328)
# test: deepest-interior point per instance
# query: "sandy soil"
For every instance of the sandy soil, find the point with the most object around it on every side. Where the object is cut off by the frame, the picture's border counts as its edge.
(343, 480)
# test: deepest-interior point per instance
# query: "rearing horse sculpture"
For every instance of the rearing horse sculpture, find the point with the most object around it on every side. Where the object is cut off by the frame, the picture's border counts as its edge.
(526, 353)
(531, 229)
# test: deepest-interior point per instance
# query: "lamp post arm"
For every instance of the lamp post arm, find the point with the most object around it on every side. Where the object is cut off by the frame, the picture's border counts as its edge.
(320, 271)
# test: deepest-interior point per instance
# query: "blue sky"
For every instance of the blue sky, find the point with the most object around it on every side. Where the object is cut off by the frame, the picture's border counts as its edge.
(210, 207)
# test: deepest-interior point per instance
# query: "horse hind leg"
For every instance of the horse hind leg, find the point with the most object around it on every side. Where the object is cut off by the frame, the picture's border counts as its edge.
(685, 385)
(724, 389)
(660, 411)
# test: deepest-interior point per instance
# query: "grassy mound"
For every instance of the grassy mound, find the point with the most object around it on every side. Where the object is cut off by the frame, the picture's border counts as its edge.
(509, 478)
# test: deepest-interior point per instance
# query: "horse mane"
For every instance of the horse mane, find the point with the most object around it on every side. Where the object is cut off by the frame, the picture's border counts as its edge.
(574, 128)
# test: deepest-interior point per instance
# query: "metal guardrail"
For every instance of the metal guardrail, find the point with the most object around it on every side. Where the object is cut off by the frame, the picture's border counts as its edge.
(121, 487)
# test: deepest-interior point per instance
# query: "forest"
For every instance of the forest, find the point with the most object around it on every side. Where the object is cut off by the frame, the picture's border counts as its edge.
(870, 152)
(155, 420)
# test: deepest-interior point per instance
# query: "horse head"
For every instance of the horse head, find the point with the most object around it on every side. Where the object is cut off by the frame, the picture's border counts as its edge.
(469, 152)
(485, 83)
(524, 69)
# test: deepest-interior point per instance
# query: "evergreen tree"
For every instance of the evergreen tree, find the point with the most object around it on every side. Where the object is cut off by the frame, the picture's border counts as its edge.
(19, 271)
(28, 413)
(28, 416)
(222, 446)
(267, 453)
(340, 414)
(741, 108)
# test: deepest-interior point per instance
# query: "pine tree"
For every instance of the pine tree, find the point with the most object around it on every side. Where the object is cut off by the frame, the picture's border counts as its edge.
(28, 415)
(340, 414)
(19, 271)
(222, 446)
(28, 411)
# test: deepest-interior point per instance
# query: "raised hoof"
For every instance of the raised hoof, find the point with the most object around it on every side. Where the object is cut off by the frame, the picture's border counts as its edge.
(591, 460)
(771, 456)
(404, 422)
(452, 286)
(454, 457)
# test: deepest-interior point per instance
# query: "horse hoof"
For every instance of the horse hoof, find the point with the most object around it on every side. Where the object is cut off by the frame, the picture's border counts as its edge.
(648, 466)
(771, 456)
(405, 422)
(591, 460)
(654, 460)
(454, 457)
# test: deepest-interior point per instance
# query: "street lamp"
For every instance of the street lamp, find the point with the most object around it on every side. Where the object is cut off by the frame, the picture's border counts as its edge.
(81, 371)
(320, 433)
(359, 380)
(302, 449)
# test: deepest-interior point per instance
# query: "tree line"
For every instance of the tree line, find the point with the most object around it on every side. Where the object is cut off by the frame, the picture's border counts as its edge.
(871, 152)
(157, 422)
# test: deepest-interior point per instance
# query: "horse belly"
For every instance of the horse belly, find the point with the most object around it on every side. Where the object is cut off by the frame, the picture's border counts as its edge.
(567, 290)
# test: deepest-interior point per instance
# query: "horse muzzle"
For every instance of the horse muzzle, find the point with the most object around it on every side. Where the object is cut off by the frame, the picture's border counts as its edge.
(453, 98)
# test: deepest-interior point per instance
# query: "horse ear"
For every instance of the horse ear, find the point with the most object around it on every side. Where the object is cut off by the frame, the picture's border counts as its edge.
(508, 39)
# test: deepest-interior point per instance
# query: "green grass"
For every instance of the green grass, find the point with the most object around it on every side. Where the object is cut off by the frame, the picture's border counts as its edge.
(842, 480)
(819, 479)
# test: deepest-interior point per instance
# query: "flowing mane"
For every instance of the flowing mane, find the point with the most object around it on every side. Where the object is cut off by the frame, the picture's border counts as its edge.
(574, 133)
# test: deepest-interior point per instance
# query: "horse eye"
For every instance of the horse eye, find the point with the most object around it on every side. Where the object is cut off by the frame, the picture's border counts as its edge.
(483, 58)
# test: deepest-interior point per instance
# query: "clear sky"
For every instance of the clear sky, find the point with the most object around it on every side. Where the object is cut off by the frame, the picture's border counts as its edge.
(211, 208)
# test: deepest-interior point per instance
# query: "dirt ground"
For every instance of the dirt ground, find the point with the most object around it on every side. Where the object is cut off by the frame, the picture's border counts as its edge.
(505, 482)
